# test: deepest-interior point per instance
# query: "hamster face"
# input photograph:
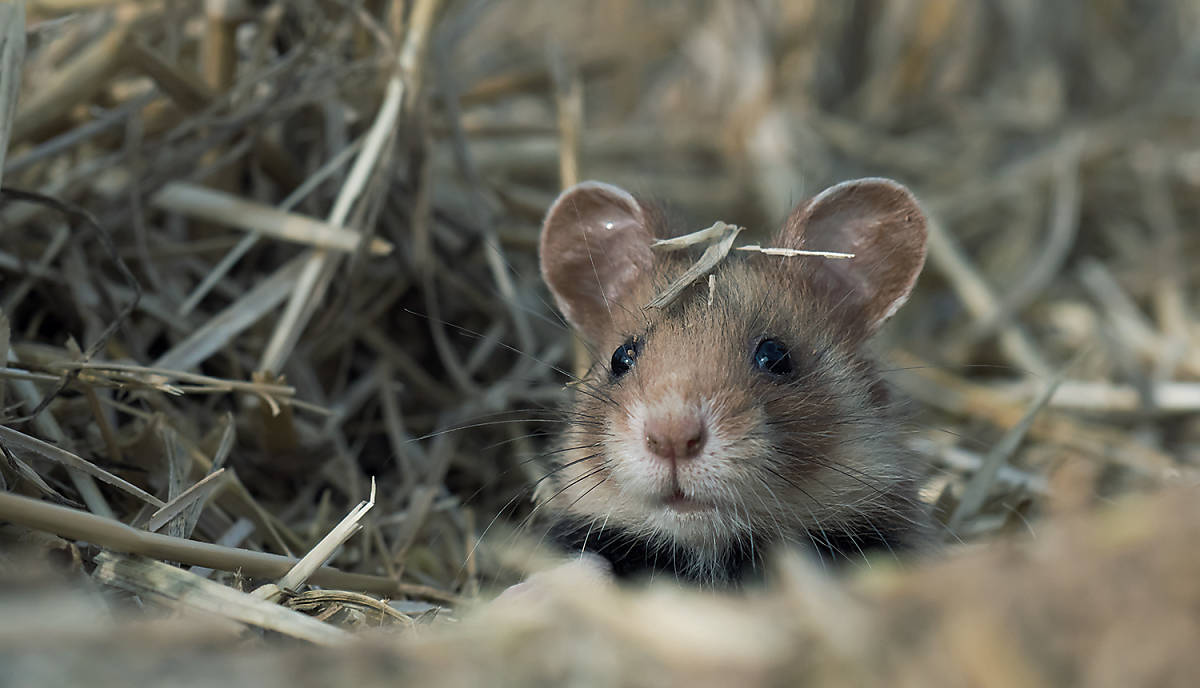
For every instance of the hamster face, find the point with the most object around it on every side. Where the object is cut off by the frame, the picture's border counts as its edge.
(749, 420)
(731, 420)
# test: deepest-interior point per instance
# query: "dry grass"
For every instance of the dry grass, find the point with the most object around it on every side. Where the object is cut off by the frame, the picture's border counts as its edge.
(259, 265)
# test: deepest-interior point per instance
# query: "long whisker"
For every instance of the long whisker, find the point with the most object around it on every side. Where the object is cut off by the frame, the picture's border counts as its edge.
(581, 384)
(603, 466)
(816, 520)
(807, 532)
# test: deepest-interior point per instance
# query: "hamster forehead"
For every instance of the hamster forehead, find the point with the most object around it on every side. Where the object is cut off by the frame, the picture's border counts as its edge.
(714, 325)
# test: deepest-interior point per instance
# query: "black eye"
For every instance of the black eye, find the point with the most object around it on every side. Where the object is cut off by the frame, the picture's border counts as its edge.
(624, 356)
(770, 356)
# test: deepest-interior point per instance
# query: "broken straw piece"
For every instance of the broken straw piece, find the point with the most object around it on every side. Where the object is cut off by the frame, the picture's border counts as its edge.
(712, 255)
(324, 550)
(703, 236)
(770, 251)
(719, 238)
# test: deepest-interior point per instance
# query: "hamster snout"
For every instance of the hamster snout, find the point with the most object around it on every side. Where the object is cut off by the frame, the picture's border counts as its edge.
(662, 448)
(675, 435)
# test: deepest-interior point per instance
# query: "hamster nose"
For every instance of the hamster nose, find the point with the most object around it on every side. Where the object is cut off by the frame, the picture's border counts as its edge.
(675, 437)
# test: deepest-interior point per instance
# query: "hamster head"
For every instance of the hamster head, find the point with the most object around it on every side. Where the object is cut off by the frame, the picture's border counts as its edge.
(727, 422)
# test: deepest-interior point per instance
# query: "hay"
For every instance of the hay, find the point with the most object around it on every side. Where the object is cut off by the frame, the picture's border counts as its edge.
(260, 264)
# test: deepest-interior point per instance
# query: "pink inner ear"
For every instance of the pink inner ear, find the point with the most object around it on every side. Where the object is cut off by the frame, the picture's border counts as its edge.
(595, 248)
(880, 222)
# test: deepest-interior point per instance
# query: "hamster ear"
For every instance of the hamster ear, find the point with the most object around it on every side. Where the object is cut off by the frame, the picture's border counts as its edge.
(881, 223)
(595, 248)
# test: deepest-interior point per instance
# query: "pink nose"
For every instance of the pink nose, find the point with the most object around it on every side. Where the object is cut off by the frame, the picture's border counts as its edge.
(675, 436)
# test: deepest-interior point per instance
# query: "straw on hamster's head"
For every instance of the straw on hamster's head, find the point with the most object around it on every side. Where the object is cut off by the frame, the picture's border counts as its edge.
(730, 421)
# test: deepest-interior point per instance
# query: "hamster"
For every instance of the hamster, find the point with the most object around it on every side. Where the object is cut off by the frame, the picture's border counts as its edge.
(707, 433)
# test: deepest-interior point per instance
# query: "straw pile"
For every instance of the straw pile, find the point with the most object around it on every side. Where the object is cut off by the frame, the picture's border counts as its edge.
(276, 353)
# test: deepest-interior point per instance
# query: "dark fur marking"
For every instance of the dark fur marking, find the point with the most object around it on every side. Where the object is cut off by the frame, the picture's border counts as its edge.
(638, 557)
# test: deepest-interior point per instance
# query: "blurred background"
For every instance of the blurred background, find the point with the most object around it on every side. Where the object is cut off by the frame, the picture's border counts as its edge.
(311, 249)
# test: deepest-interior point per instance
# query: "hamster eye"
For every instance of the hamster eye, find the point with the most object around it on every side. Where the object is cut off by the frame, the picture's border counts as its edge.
(624, 356)
(771, 356)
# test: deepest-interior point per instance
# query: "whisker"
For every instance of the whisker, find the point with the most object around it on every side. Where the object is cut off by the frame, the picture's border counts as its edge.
(537, 507)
